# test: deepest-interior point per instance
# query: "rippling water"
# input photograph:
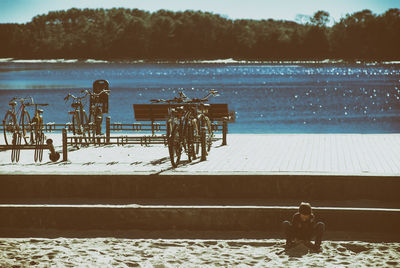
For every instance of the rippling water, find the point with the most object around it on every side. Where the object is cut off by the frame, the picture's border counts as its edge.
(267, 98)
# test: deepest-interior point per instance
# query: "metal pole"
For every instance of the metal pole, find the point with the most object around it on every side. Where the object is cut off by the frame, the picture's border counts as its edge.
(64, 145)
(108, 126)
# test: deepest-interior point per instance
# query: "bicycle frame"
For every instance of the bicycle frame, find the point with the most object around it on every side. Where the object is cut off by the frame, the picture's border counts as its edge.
(95, 111)
(21, 108)
(79, 119)
(17, 121)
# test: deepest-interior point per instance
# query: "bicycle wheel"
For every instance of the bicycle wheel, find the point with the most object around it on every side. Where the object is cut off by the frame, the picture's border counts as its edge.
(190, 139)
(76, 129)
(198, 126)
(80, 127)
(208, 132)
(85, 129)
(174, 145)
(98, 119)
(196, 138)
(9, 127)
(25, 123)
(91, 128)
(39, 140)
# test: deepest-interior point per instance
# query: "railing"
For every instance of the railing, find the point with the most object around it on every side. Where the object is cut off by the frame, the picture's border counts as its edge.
(152, 127)
(107, 138)
(138, 127)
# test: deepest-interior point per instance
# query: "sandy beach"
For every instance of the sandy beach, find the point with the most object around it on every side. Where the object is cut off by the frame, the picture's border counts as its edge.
(113, 252)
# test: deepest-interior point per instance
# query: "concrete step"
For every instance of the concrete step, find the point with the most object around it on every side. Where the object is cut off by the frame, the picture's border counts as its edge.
(212, 186)
(191, 218)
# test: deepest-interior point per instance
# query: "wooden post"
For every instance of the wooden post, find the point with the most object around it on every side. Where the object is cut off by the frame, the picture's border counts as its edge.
(224, 131)
(152, 128)
(108, 126)
(64, 145)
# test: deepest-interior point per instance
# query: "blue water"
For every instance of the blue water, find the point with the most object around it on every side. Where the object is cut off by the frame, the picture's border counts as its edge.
(267, 98)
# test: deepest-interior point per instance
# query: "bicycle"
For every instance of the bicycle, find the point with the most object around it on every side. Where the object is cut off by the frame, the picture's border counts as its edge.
(174, 133)
(183, 127)
(17, 123)
(96, 112)
(203, 121)
(37, 135)
(79, 120)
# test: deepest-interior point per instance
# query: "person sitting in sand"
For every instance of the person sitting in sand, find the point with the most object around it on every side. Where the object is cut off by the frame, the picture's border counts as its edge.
(303, 228)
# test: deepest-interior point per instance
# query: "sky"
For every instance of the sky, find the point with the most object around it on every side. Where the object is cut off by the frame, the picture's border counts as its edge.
(22, 11)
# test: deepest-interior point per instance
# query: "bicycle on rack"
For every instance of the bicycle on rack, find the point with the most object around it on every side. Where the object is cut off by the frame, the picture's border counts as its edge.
(200, 110)
(17, 122)
(96, 112)
(37, 135)
(80, 125)
(187, 126)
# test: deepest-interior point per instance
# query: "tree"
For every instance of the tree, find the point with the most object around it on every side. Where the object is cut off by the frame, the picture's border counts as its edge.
(135, 34)
(320, 18)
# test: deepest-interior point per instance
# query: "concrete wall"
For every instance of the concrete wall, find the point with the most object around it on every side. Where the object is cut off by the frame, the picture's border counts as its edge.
(200, 186)
(188, 218)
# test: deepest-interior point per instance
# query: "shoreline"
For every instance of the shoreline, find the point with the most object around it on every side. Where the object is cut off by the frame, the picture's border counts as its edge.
(214, 61)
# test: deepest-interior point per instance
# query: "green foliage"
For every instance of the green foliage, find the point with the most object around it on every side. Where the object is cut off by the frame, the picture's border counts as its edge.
(126, 34)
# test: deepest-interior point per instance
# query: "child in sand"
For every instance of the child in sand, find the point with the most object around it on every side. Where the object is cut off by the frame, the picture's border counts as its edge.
(303, 228)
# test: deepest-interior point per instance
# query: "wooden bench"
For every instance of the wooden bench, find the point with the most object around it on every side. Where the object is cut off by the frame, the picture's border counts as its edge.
(217, 112)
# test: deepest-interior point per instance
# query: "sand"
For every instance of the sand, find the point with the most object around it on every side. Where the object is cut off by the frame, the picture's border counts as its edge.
(113, 252)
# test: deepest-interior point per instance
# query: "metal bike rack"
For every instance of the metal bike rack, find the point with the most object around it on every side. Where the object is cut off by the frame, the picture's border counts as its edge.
(38, 148)
(109, 140)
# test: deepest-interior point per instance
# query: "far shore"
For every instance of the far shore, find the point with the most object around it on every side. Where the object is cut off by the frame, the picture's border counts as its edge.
(197, 61)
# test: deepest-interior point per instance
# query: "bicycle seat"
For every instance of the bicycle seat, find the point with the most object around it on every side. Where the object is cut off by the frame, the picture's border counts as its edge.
(12, 103)
(75, 105)
(71, 112)
(40, 111)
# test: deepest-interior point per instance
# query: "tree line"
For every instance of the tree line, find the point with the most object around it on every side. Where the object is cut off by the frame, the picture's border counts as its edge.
(129, 34)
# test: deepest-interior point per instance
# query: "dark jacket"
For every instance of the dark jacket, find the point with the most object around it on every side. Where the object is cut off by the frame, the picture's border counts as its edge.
(302, 230)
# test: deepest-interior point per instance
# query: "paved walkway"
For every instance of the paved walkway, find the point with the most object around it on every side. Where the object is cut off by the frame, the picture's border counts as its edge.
(331, 154)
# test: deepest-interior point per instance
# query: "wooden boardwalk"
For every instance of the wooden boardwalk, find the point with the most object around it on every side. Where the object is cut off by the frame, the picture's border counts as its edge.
(331, 154)
(308, 153)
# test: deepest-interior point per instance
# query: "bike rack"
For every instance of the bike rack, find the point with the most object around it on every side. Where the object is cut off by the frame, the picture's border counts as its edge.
(135, 127)
(38, 148)
(110, 140)
(130, 140)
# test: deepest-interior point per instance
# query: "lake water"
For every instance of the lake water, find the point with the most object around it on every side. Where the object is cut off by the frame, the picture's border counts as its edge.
(267, 98)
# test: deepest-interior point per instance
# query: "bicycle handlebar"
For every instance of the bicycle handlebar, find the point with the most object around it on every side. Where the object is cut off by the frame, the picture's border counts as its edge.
(23, 100)
(91, 93)
(174, 100)
(66, 98)
(184, 99)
